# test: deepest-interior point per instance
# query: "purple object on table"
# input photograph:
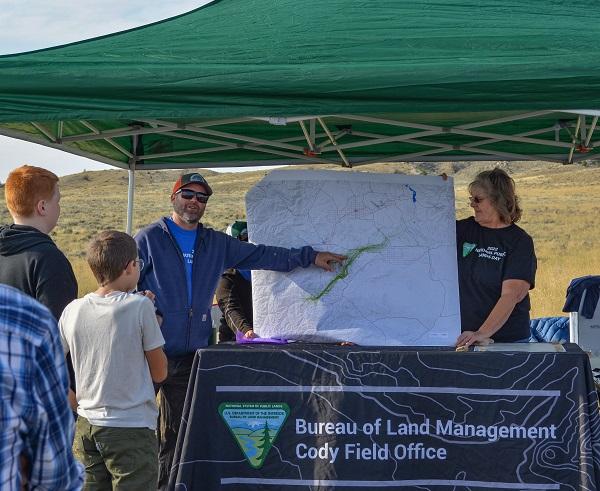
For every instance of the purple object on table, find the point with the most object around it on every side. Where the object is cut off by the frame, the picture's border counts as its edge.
(241, 339)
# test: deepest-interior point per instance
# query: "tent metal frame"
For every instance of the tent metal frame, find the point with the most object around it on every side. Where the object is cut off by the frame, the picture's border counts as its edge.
(317, 143)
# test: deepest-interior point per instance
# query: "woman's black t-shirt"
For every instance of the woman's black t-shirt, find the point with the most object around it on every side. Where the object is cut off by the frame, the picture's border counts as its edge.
(487, 257)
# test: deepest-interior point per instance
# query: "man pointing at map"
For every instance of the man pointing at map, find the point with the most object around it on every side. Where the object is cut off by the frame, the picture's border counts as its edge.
(183, 262)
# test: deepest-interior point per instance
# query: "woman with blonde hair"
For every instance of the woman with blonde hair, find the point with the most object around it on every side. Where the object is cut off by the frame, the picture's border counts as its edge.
(496, 264)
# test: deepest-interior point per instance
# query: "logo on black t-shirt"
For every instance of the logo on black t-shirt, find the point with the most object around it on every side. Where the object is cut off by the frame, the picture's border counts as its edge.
(490, 252)
(468, 248)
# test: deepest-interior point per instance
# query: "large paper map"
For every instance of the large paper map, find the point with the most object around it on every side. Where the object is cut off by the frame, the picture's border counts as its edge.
(399, 285)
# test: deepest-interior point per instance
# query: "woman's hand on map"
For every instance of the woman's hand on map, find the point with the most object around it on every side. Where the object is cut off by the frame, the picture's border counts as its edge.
(250, 334)
(467, 338)
(326, 260)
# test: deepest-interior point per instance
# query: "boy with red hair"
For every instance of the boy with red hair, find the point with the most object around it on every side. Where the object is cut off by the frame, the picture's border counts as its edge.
(29, 259)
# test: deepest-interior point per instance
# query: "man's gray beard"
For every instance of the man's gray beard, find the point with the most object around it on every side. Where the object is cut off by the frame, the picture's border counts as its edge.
(185, 216)
(192, 220)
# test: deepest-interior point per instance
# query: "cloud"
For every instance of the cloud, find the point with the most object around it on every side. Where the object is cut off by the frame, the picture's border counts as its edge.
(35, 24)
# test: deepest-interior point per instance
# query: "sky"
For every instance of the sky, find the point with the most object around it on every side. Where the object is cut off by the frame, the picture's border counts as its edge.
(35, 24)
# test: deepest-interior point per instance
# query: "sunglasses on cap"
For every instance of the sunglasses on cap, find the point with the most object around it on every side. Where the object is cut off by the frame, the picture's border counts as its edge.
(190, 193)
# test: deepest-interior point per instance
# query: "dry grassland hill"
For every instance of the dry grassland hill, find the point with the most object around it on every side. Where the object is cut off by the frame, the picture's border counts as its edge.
(561, 211)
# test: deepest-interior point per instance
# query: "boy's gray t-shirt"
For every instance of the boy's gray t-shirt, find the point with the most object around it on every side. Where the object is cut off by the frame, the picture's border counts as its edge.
(107, 337)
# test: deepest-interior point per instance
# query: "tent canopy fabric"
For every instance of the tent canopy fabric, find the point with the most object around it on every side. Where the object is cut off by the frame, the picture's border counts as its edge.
(247, 82)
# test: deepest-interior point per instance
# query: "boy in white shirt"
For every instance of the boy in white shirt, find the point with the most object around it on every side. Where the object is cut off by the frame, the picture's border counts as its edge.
(116, 347)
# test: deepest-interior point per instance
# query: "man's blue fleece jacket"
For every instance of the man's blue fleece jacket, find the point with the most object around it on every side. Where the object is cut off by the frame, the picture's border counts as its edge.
(188, 327)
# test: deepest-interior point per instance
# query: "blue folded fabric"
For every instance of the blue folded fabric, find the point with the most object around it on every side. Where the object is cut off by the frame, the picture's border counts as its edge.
(591, 284)
(550, 329)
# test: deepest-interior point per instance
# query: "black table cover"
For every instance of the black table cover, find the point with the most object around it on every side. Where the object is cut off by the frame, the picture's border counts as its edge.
(318, 417)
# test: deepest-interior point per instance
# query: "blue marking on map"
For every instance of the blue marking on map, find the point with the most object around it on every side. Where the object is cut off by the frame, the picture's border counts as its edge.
(414, 193)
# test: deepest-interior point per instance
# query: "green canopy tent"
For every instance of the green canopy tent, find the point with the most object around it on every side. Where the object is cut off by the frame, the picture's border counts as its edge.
(271, 82)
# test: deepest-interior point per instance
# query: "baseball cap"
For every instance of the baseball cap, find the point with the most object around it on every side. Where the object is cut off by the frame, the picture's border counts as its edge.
(193, 178)
(238, 230)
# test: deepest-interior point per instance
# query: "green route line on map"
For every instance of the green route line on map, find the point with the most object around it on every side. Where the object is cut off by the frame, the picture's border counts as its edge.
(353, 255)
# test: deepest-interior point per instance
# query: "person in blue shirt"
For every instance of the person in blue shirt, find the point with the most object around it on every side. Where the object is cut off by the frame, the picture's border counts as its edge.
(183, 264)
(36, 423)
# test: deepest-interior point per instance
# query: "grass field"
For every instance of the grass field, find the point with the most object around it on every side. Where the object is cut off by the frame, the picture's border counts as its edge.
(561, 209)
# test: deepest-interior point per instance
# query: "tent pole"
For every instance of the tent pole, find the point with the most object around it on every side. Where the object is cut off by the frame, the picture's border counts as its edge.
(591, 131)
(574, 140)
(131, 185)
(311, 145)
(130, 193)
(334, 143)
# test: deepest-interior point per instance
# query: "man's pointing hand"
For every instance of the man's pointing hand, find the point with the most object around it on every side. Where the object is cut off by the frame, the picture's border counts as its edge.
(326, 260)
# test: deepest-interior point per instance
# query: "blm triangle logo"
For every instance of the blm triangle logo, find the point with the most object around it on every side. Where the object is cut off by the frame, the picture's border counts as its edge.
(255, 426)
(468, 248)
